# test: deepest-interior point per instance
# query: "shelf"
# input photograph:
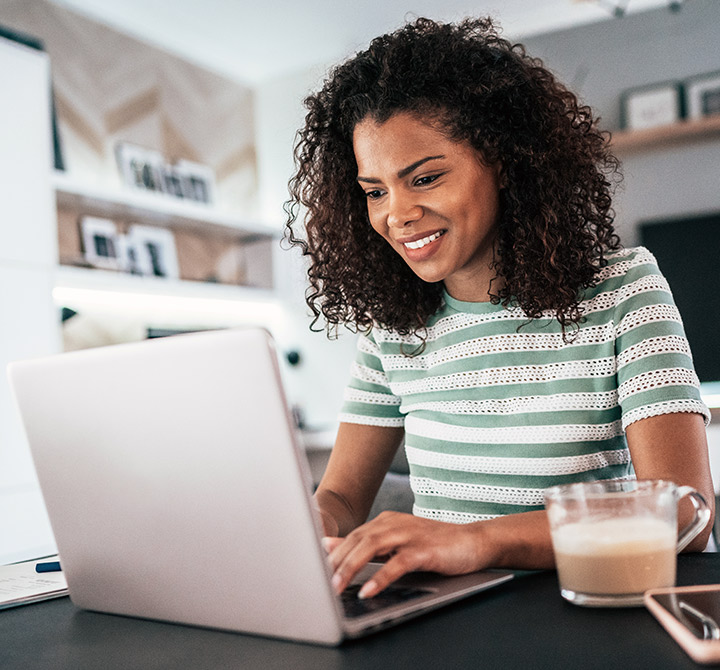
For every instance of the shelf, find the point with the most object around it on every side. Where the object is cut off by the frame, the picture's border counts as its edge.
(155, 208)
(684, 131)
(92, 279)
(164, 302)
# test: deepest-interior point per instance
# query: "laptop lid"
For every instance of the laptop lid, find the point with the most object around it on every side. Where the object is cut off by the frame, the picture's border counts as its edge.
(177, 491)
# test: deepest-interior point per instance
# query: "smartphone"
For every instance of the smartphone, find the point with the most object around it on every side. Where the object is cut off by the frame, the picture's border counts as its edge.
(691, 614)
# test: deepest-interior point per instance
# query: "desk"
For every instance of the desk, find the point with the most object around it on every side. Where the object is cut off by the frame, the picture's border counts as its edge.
(523, 624)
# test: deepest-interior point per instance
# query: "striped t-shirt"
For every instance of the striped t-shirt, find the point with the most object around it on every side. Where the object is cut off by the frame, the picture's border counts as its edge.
(496, 408)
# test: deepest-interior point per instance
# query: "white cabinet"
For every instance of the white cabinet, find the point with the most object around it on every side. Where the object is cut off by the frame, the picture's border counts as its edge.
(28, 253)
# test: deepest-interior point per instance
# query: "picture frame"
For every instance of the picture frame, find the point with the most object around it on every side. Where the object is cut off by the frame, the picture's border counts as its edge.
(198, 181)
(651, 106)
(702, 95)
(172, 181)
(140, 168)
(102, 243)
(151, 252)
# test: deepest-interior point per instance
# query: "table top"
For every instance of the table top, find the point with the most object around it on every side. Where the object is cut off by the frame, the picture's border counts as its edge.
(521, 624)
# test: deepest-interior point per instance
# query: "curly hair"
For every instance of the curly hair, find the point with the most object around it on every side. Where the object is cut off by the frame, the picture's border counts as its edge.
(555, 221)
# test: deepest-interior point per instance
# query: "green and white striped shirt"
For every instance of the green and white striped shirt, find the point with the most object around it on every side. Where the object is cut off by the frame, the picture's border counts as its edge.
(496, 408)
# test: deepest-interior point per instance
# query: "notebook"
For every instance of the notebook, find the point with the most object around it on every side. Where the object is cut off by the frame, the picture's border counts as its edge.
(177, 490)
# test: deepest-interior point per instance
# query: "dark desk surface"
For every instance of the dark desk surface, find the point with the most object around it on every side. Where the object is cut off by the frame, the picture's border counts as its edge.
(522, 624)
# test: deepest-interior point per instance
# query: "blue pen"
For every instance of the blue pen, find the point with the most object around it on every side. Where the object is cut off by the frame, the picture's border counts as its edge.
(50, 566)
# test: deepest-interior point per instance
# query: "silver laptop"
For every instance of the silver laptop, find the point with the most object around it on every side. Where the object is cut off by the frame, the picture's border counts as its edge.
(177, 491)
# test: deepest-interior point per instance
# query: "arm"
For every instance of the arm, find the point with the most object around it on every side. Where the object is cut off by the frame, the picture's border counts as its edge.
(358, 462)
(674, 447)
(669, 447)
(520, 541)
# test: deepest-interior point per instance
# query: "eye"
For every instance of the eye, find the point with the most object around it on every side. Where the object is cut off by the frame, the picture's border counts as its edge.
(427, 179)
(374, 194)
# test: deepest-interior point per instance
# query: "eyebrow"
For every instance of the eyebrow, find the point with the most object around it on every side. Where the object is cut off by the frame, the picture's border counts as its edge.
(405, 171)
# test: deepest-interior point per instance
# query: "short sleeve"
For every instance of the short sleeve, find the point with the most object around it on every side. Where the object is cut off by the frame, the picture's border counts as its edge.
(654, 362)
(368, 399)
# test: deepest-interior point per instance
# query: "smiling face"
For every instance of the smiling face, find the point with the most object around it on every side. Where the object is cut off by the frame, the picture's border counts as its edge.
(432, 199)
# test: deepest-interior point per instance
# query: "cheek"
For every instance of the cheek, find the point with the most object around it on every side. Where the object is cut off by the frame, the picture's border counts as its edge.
(377, 225)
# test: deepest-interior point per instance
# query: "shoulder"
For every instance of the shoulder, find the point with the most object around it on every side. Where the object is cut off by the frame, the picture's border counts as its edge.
(629, 263)
(628, 271)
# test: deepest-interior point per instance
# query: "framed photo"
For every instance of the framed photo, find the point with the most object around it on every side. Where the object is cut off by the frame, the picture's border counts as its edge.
(102, 244)
(652, 106)
(702, 95)
(172, 181)
(198, 181)
(151, 251)
(140, 168)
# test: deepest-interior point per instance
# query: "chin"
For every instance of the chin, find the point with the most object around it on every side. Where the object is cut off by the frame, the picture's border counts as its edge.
(429, 277)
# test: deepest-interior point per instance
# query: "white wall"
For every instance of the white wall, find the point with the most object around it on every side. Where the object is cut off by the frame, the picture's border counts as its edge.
(317, 384)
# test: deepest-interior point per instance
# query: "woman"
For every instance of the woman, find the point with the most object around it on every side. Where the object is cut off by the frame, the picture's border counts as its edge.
(458, 214)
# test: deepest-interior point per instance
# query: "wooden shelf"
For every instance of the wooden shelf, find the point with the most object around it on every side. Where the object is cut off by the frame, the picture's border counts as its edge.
(662, 136)
(155, 208)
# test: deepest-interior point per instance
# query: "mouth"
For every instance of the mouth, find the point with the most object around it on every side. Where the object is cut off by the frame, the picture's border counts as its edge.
(423, 241)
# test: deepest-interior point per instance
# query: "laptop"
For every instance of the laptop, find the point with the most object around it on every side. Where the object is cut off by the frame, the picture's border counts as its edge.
(177, 491)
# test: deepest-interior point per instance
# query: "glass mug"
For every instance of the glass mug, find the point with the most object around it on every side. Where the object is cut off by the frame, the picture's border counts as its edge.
(613, 540)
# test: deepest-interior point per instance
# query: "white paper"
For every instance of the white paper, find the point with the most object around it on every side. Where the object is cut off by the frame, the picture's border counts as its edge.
(20, 584)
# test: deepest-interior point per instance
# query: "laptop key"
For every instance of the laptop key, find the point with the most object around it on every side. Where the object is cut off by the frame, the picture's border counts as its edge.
(392, 595)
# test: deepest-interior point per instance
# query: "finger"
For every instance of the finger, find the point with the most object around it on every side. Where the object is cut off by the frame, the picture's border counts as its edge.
(330, 543)
(356, 554)
(398, 566)
(381, 529)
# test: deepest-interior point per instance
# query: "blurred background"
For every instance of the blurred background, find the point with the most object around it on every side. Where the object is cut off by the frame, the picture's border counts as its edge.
(147, 147)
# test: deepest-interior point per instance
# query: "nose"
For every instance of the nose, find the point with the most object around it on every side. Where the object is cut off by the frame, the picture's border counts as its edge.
(402, 210)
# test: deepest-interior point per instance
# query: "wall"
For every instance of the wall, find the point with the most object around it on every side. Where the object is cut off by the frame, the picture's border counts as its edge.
(111, 88)
(602, 60)
(317, 384)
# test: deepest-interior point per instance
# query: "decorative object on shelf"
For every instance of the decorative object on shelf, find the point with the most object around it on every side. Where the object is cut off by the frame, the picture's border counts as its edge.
(702, 95)
(146, 169)
(151, 252)
(198, 181)
(651, 106)
(102, 243)
(140, 168)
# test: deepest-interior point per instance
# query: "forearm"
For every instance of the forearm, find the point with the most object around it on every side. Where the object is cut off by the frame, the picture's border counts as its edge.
(357, 465)
(674, 447)
(517, 541)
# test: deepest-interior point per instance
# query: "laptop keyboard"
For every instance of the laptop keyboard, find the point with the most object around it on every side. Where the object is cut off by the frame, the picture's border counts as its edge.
(392, 595)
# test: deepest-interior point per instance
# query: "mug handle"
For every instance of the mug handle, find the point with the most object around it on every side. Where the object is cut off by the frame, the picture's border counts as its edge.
(699, 521)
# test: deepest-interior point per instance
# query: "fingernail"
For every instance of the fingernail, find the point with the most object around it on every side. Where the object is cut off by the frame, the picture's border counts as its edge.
(368, 590)
(325, 541)
(336, 581)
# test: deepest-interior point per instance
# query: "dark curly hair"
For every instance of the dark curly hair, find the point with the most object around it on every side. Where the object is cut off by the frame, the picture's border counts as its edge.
(555, 223)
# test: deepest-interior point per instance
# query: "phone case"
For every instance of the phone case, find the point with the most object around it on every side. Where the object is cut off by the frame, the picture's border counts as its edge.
(691, 614)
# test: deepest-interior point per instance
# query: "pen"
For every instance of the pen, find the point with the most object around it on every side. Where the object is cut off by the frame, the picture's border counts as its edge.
(50, 566)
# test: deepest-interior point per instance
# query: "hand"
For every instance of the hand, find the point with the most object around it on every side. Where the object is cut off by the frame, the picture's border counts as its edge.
(410, 543)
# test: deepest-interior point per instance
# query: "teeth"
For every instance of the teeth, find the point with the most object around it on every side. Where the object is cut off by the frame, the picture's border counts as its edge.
(419, 244)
